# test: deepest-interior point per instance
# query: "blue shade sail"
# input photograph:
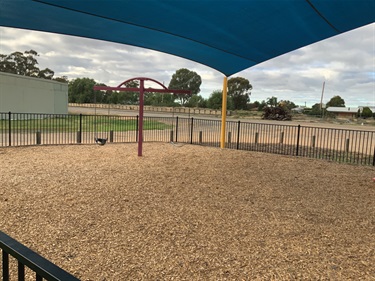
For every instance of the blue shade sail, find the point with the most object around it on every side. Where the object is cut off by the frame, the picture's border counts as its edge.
(227, 35)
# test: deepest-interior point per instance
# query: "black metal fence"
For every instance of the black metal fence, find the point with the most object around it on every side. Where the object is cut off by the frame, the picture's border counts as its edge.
(342, 145)
(24, 257)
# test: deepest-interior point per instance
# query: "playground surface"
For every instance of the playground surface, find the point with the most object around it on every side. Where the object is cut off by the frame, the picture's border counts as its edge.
(189, 212)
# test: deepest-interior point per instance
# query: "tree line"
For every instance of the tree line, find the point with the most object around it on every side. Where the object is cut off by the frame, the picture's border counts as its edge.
(80, 90)
(26, 64)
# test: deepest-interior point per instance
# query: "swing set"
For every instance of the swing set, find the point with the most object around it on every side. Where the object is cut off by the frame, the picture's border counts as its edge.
(141, 90)
(100, 141)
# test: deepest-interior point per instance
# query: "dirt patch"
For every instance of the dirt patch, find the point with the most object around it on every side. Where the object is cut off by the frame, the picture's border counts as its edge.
(189, 213)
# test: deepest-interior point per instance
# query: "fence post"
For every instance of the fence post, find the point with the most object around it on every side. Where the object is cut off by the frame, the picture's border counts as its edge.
(200, 137)
(5, 260)
(171, 136)
(229, 137)
(79, 140)
(313, 141)
(282, 137)
(38, 137)
(298, 133)
(256, 137)
(111, 136)
(347, 145)
(191, 130)
(373, 160)
(21, 271)
(10, 128)
(79, 132)
(238, 134)
(176, 127)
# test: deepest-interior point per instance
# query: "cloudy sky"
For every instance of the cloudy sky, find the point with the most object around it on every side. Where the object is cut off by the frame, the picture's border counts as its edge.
(346, 63)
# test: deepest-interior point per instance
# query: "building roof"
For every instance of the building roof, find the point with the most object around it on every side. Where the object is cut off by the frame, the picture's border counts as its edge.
(227, 35)
(343, 109)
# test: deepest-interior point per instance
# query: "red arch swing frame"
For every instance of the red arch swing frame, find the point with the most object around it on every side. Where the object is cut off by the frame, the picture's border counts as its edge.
(141, 91)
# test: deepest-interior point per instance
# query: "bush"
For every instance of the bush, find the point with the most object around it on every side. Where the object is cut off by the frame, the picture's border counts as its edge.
(276, 113)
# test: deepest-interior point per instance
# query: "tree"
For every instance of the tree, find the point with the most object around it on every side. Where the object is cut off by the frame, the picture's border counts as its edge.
(63, 79)
(272, 101)
(185, 79)
(239, 90)
(101, 96)
(262, 105)
(46, 74)
(215, 100)
(287, 104)
(130, 97)
(160, 99)
(196, 101)
(24, 64)
(119, 97)
(366, 112)
(80, 90)
(336, 101)
(315, 110)
(254, 105)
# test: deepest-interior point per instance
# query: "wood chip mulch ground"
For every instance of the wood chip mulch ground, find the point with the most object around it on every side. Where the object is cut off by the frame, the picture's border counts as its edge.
(184, 212)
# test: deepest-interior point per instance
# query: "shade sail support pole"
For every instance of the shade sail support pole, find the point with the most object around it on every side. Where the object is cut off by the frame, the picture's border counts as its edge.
(224, 112)
(140, 119)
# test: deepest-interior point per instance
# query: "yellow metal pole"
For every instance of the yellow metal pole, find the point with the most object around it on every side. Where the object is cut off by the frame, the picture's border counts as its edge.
(224, 112)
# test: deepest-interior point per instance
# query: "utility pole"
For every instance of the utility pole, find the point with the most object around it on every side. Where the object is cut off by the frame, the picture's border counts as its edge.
(321, 99)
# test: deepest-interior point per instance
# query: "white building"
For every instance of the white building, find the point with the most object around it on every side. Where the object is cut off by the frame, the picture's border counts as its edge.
(23, 94)
(344, 112)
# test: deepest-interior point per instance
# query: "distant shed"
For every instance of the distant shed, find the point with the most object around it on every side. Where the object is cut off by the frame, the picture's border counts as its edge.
(344, 112)
(24, 94)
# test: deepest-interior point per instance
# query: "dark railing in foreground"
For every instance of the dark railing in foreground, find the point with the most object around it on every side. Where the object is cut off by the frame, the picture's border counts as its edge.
(341, 145)
(25, 257)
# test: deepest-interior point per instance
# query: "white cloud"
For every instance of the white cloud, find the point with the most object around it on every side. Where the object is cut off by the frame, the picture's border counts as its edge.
(346, 63)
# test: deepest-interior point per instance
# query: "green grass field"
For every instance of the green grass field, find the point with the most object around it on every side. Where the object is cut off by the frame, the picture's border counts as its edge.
(71, 123)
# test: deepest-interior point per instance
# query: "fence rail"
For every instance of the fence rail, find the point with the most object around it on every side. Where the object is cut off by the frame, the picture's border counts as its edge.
(165, 109)
(25, 257)
(342, 145)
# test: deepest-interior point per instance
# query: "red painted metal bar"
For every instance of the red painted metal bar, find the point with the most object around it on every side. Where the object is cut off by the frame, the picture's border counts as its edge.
(144, 79)
(150, 90)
